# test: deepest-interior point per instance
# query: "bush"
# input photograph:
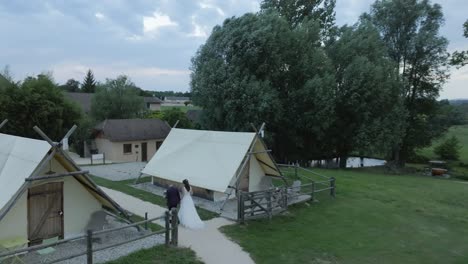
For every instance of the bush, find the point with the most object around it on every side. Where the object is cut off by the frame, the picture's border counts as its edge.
(449, 149)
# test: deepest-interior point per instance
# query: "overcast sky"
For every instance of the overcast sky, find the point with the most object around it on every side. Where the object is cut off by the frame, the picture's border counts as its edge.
(151, 41)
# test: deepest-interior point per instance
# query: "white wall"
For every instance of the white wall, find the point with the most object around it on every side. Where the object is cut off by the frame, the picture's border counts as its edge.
(114, 150)
(257, 179)
(15, 223)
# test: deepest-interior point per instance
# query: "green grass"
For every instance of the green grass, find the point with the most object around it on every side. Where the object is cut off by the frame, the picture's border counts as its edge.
(461, 132)
(124, 186)
(151, 226)
(160, 255)
(183, 108)
(375, 218)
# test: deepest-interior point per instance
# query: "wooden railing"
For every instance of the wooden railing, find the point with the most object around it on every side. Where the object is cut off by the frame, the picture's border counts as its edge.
(170, 230)
(266, 203)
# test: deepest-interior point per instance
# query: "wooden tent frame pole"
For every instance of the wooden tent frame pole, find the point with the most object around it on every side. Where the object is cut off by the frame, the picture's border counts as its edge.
(3, 123)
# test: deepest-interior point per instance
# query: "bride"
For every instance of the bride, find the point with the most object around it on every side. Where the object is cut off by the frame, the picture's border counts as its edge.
(188, 215)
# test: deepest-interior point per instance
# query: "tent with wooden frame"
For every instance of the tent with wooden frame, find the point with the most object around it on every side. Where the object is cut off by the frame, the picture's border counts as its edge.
(43, 193)
(216, 163)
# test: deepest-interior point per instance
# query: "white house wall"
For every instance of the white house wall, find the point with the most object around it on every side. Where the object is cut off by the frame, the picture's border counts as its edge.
(257, 179)
(15, 223)
(114, 150)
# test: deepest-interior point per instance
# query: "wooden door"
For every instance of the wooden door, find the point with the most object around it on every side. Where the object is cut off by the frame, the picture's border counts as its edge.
(45, 212)
(144, 151)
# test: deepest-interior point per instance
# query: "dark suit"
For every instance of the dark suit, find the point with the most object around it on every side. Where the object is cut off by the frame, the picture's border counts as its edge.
(172, 197)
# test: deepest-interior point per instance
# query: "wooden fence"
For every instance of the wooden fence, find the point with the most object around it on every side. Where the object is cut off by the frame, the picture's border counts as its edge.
(266, 203)
(170, 230)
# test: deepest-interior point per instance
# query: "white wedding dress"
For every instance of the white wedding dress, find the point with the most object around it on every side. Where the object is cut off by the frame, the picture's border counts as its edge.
(188, 216)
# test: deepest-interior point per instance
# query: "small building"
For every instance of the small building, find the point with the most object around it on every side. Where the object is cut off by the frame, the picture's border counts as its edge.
(129, 140)
(175, 100)
(84, 101)
(216, 163)
(43, 193)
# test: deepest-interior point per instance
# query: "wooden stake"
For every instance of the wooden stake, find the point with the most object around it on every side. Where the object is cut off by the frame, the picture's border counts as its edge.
(3, 123)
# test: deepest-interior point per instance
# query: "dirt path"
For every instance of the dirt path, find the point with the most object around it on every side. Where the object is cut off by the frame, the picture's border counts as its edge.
(210, 244)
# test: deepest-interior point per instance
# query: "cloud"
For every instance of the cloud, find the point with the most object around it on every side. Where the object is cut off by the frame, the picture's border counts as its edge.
(99, 16)
(208, 5)
(152, 24)
(198, 30)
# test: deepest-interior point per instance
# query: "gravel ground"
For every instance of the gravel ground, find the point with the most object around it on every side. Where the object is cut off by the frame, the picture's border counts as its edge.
(103, 256)
(229, 210)
(117, 172)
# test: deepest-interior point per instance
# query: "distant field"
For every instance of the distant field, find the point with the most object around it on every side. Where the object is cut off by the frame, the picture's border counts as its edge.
(183, 108)
(461, 132)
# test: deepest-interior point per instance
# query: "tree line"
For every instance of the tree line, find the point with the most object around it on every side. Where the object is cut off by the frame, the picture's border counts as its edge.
(370, 88)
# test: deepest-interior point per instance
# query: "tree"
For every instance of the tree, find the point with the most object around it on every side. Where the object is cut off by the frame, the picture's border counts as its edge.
(298, 11)
(89, 84)
(449, 149)
(257, 68)
(37, 101)
(171, 116)
(117, 99)
(410, 30)
(460, 58)
(71, 86)
(367, 94)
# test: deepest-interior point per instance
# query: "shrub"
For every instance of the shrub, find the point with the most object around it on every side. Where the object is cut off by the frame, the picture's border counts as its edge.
(449, 149)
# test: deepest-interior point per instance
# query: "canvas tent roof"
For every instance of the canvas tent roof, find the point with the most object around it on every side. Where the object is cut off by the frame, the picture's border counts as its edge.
(20, 158)
(208, 159)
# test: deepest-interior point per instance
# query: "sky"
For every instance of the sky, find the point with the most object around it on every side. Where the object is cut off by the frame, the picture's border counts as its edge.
(151, 41)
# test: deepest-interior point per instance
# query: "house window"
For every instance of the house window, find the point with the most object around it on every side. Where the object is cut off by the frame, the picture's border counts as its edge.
(158, 145)
(127, 148)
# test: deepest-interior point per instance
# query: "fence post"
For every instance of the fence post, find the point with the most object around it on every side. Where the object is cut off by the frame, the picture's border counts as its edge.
(168, 234)
(332, 187)
(104, 158)
(285, 198)
(295, 170)
(174, 228)
(269, 206)
(241, 207)
(146, 223)
(89, 247)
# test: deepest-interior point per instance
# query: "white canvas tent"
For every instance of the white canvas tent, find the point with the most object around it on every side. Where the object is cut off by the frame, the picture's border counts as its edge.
(43, 193)
(213, 161)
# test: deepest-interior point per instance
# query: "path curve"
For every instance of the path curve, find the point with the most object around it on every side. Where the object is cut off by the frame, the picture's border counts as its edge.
(210, 244)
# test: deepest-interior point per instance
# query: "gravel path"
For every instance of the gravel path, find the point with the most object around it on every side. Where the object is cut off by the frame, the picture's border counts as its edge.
(210, 244)
(117, 172)
(79, 246)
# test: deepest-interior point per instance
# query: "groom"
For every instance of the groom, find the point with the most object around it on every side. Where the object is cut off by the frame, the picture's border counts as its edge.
(172, 197)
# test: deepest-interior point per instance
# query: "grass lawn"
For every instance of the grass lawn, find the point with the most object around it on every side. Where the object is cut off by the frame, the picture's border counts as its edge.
(461, 132)
(160, 255)
(124, 186)
(375, 218)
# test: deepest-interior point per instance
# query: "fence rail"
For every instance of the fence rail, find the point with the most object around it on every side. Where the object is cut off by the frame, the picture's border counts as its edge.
(265, 203)
(170, 230)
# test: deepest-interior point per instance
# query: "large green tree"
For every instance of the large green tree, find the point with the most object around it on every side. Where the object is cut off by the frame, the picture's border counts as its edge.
(460, 58)
(117, 99)
(367, 95)
(258, 68)
(298, 11)
(36, 101)
(71, 85)
(410, 30)
(89, 83)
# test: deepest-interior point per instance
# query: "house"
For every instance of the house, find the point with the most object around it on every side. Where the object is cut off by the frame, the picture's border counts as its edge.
(43, 194)
(175, 100)
(127, 140)
(84, 100)
(215, 163)
(152, 103)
